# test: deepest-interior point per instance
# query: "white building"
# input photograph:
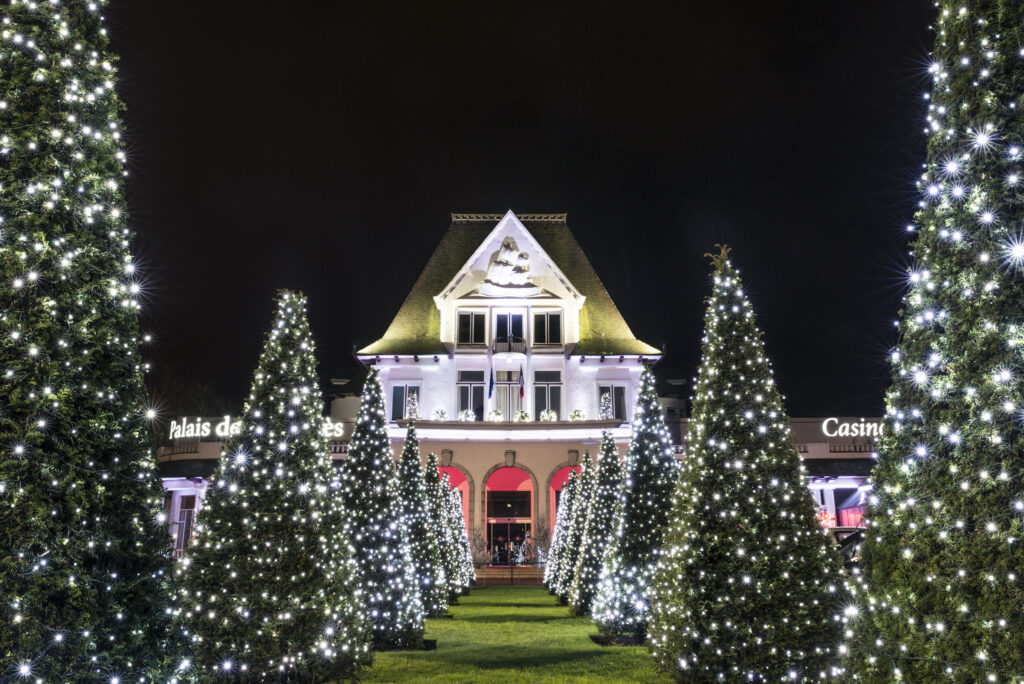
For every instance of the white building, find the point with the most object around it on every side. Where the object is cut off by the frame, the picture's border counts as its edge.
(508, 340)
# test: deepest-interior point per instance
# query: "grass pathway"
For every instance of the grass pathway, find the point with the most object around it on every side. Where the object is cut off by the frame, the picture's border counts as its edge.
(514, 634)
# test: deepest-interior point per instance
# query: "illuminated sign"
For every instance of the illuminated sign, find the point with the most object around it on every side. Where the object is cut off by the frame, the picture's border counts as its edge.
(831, 427)
(222, 428)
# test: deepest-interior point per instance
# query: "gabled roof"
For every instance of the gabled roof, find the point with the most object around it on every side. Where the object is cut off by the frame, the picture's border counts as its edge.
(416, 329)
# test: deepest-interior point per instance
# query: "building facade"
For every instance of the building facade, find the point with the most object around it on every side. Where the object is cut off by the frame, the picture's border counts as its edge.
(513, 359)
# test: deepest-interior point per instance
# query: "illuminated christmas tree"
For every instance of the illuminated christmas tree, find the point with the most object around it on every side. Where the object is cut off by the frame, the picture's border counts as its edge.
(85, 566)
(563, 518)
(424, 545)
(940, 597)
(437, 507)
(269, 588)
(574, 536)
(598, 529)
(379, 529)
(622, 600)
(457, 524)
(748, 585)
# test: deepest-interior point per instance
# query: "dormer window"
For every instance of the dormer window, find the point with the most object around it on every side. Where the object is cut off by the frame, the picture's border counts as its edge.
(547, 328)
(472, 327)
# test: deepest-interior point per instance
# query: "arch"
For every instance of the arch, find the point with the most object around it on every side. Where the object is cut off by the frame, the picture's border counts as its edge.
(471, 489)
(533, 482)
(524, 481)
(556, 480)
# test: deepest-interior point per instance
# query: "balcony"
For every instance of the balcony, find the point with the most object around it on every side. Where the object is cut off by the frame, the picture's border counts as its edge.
(510, 345)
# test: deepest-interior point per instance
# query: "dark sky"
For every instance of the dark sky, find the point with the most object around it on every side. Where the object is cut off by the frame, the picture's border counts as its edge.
(322, 145)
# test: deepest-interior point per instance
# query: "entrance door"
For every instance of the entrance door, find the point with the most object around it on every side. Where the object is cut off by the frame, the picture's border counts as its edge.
(509, 527)
(510, 541)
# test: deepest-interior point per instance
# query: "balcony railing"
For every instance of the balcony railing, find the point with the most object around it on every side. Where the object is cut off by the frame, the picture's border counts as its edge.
(510, 345)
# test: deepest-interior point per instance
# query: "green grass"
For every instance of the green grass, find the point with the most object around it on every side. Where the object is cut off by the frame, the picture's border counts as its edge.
(514, 634)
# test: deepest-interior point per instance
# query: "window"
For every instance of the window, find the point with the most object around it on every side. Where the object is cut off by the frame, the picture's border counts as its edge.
(547, 392)
(183, 524)
(506, 393)
(471, 392)
(399, 397)
(617, 393)
(547, 328)
(508, 327)
(850, 507)
(472, 328)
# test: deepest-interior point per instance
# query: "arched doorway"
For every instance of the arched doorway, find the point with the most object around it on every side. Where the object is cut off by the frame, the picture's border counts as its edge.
(558, 482)
(508, 522)
(457, 480)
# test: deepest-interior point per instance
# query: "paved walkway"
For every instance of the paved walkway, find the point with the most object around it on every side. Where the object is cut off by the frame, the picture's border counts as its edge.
(514, 634)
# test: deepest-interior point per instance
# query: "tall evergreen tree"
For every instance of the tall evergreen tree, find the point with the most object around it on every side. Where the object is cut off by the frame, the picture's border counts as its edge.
(942, 595)
(598, 529)
(457, 524)
(622, 601)
(748, 585)
(379, 530)
(269, 587)
(563, 518)
(423, 545)
(574, 537)
(84, 562)
(437, 506)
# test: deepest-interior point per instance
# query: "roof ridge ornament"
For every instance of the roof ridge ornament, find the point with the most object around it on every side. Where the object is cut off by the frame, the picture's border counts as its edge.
(459, 218)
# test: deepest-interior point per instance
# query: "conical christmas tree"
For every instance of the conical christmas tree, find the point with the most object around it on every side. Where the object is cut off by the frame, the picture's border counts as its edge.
(84, 558)
(563, 518)
(942, 596)
(448, 546)
(466, 574)
(269, 587)
(748, 585)
(378, 528)
(424, 545)
(574, 537)
(622, 601)
(598, 530)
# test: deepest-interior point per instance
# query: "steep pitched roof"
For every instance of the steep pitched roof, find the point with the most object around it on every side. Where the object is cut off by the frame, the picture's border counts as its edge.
(416, 327)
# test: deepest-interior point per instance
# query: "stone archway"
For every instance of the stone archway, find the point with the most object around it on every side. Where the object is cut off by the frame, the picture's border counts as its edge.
(509, 521)
(495, 468)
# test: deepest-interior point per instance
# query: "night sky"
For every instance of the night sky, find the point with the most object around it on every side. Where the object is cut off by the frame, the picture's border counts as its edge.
(322, 146)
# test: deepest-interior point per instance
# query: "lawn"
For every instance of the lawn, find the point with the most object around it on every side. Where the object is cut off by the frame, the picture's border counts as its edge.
(514, 634)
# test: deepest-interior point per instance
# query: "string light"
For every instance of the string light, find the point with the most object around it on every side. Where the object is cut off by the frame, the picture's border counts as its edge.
(622, 598)
(269, 585)
(379, 530)
(748, 584)
(425, 550)
(935, 599)
(83, 532)
(598, 527)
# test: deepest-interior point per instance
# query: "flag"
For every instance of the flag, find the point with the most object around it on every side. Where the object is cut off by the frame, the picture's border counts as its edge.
(490, 388)
(522, 386)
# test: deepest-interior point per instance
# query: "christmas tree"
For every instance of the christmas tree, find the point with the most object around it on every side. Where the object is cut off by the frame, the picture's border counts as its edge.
(941, 594)
(379, 530)
(574, 535)
(269, 588)
(84, 551)
(457, 524)
(563, 518)
(598, 529)
(437, 507)
(424, 545)
(622, 600)
(748, 585)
